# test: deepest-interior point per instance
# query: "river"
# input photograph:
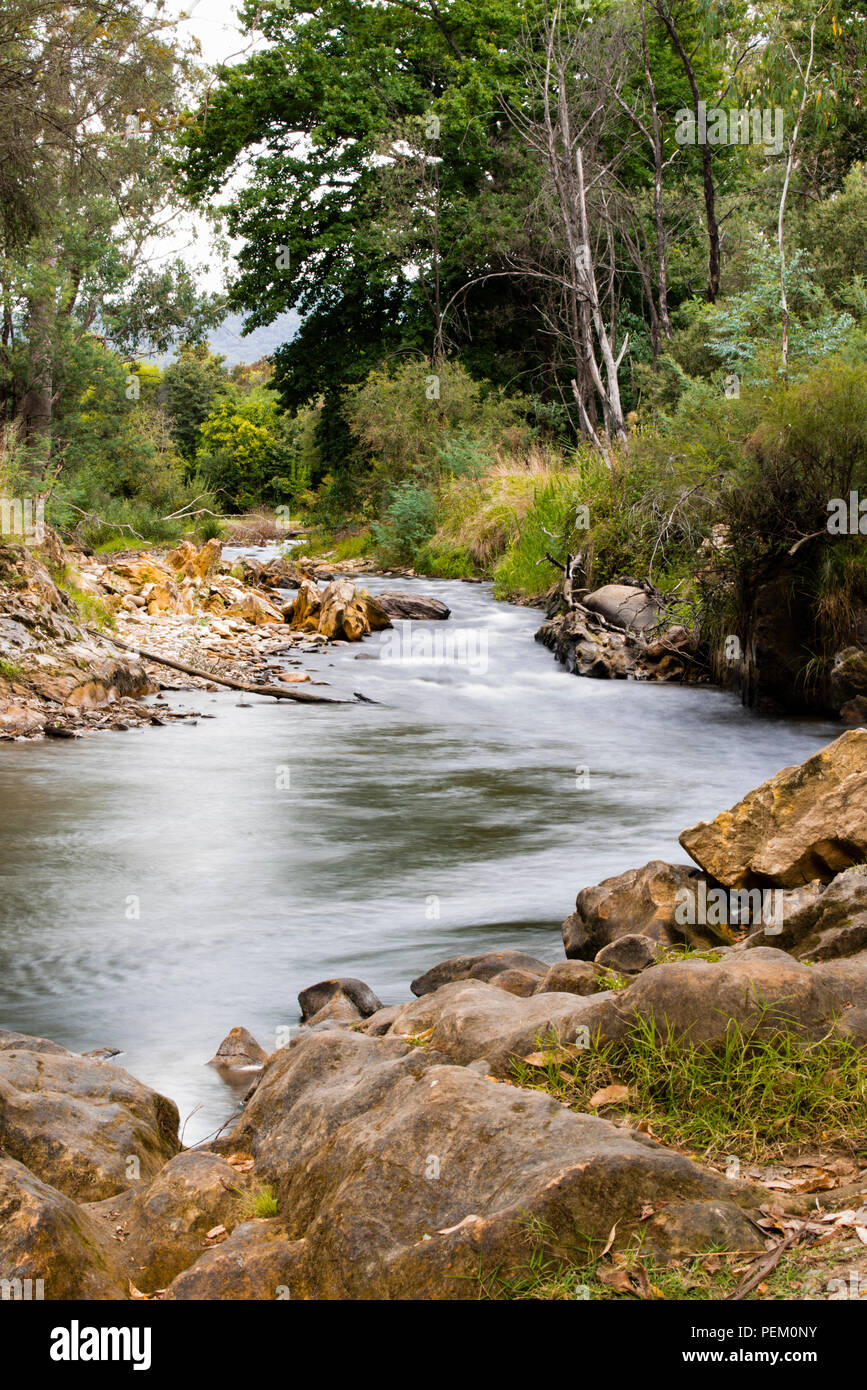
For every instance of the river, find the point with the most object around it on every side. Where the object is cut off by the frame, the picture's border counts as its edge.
(159, 886)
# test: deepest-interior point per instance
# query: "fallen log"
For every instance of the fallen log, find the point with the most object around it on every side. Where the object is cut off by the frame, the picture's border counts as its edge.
(301, 697)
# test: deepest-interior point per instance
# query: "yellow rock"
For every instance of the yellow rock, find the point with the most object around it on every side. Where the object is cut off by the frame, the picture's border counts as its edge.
(806, 823)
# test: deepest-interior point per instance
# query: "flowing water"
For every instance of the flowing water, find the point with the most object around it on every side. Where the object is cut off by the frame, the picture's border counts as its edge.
(159, 886)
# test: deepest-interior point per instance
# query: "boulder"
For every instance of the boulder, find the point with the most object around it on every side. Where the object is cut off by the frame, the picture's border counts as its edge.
(191, 563)
(805, 823)
(571, 977)
(417, 607)
(827, 925)
(315, 997)
(848, 680)
(629, 954)
(404, 1177)
(764, 990)
(239, 1051)
(520, 982)
(472, 1018)
(76, 1121)
(481, 967)
(164, 1224)
(380, 1022)
(350, 613)
(46, 1236)
(306, 607)
(255, 608)
(640, 901)
(256, 1262)
(624, 606)
(21, 1042)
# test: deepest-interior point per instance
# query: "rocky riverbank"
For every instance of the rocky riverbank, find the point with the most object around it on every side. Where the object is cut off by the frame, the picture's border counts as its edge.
(77, 632)
(628, 631)
(444, 1147)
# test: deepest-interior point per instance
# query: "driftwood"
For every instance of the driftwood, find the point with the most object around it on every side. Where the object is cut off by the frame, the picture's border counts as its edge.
(299, 696)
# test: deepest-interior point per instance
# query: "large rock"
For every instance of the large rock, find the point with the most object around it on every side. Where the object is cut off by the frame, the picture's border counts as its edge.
(807, 822)
(763, 989)
(571, 977)
(78, 1122)
(480, 967)
(314, 998)
(191, 563)
(406, 1177)
(257, 1262)
(829, 925)
(471, 1019)
(350, 613)
(629, 955)
(624, 606)
(417, 607)
(46, 1236)
(239, 1052)
(164, 1224)
(640, 901)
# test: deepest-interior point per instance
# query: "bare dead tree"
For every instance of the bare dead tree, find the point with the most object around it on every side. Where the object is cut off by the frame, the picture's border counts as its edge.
(563, 125)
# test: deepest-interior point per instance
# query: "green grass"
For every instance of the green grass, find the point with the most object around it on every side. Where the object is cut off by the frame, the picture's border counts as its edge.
(755, 1096)
(9, 670)
(258, 1204)
(633, 1273)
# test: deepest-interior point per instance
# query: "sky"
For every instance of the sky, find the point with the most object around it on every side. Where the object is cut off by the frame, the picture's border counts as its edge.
(214, 23)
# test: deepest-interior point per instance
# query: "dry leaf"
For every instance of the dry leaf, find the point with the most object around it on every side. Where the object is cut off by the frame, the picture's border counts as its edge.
(216, 1232)
(609, 1095)
(861, 1233)
(610, 1241)
(538, 1059)
(467, 1221)
(135, 1293)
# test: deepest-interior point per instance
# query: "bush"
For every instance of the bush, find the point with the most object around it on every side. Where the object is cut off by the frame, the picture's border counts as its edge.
(410, 520)
(420, 419)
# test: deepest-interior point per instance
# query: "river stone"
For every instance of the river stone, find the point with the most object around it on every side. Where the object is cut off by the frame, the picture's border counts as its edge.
(239, 1051)
(76, 1121)
(409, 1178)
(303, 612)
(571, 977)
(21, 1042)
(826, 925)
(852, 1026)
(807, 822)
(521, 982)
(417, 607)
(472, 1018)
(315, 997)
(481, 967)
(380, 1022)
(256, 1262)
(763, 990)
(164, 1223)
(350, 613)
(640, 901)
(45, 1235)
(625, 606)
(628, 954)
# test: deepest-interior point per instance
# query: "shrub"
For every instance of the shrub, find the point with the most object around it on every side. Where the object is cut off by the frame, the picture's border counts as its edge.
(410, 520)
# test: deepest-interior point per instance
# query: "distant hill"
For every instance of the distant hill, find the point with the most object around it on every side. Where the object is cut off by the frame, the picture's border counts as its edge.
(228, 342)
